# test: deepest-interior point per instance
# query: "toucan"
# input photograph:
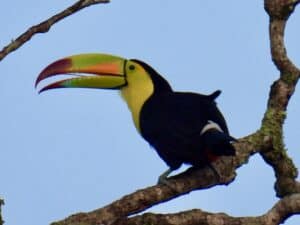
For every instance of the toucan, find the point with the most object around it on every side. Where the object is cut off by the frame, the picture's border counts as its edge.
(183, 127)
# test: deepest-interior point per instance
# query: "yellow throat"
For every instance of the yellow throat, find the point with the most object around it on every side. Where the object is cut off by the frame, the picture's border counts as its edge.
(139, 89)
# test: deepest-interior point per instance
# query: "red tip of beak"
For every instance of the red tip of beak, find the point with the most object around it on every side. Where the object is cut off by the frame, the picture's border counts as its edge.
(58, 67)
(58, 84)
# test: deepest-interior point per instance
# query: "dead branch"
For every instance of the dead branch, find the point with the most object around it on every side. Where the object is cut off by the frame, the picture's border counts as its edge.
(45, 26)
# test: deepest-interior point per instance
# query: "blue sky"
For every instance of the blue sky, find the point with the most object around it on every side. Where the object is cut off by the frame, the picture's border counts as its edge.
(66, 151)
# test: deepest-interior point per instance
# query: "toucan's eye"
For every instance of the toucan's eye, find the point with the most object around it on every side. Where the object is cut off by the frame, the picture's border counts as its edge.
(131, 67)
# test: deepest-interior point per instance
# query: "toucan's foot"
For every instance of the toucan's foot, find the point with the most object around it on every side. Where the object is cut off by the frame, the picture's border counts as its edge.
(163, 179)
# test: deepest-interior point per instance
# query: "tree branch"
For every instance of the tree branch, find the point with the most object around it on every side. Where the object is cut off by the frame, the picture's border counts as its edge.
(1, 204)
(44, 26)
(282, 210)
(279, 213)
(282, 89)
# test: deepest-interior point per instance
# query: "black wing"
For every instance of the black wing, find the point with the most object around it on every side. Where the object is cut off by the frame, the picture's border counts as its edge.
(172, 124)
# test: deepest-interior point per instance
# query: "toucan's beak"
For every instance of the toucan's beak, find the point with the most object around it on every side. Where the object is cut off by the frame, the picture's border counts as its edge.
(90, 70)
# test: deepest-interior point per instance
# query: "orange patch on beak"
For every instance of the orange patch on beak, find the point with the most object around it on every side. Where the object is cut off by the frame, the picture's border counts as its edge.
(109, 68)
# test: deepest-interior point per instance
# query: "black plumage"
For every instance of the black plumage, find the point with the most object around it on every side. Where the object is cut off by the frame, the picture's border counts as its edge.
(172, 123)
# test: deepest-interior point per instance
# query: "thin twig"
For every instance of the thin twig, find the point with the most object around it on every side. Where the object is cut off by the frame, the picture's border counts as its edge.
(44, 26)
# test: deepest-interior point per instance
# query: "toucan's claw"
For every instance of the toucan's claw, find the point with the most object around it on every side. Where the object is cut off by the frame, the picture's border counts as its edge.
(163, 180)
(163, 177)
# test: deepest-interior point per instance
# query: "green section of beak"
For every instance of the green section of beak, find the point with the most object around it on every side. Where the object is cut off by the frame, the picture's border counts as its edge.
(91, 70)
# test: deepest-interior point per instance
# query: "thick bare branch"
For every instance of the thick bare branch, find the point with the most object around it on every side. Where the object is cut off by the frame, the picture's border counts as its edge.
(282, 210)
(46, 25)
(280, 93)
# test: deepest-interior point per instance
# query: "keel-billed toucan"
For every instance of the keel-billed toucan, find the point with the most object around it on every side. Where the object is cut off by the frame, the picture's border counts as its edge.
(182, 127)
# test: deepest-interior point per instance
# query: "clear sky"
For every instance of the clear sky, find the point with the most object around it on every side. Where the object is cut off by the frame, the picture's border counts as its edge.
(68, 151)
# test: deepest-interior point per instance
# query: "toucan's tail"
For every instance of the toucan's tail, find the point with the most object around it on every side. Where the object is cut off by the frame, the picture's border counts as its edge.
(218, 142)
(214, 95)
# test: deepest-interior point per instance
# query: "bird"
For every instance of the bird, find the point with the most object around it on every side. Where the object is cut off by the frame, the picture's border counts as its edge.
(183, 127)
